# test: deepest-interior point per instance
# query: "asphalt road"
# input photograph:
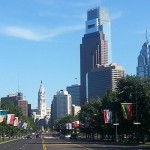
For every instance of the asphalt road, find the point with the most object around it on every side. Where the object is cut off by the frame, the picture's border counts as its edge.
(49, 143)
(67, 144)
(23, 144)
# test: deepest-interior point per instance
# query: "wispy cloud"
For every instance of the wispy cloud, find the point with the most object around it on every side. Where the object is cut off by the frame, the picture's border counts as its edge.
(22, 33)
(115, 16)
(32, 35)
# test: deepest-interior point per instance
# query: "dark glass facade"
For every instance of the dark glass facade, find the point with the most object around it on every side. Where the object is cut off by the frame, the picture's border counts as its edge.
(93, 51)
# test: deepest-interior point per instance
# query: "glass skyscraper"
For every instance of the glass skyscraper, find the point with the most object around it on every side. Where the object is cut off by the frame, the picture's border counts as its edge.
(98, 20)
(96, 45)
(143, 68)
(74, 91)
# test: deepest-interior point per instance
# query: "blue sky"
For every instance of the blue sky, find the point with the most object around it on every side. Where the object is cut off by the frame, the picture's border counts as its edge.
(40, 40)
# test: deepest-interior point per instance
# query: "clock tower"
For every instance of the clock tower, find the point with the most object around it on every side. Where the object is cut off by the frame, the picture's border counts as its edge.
(42, 101)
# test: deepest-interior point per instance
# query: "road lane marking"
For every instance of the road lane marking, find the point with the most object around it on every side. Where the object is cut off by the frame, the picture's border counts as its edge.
(44, 146)
(48, 145)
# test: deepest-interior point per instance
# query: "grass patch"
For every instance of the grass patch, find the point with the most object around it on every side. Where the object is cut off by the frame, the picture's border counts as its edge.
(6, 139)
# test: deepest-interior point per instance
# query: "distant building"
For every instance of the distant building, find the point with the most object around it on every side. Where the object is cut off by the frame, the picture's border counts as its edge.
(102, 79)
(96, 44)
(143, 68)
(13, 98)
(75, 110)
(23, 104)
(42, 101)
(61, 105)
(42, 110)
(17, 100)
(74, 91)
(29, 110)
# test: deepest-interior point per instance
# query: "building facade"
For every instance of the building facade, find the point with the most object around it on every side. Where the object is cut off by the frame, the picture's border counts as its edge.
(61, 105)
(75, 110)
(102, 79)
(98, 20)
(143, 67)
(23, 104)
(74, 91)
(95, 45)
(17, 100)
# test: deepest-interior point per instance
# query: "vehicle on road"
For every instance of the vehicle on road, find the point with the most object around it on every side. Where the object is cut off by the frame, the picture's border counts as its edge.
(68, 136)
(29, 136)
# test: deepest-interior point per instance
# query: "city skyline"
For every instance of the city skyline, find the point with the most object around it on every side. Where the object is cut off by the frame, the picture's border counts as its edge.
(40, 40)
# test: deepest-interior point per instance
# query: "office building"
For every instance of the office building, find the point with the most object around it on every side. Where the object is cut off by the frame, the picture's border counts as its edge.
(74, 91)
(17, 100)
(98, 20)
(61, 105)
(102, 79)
(29, 110)
(143, 68)
(75, 110)
(96, 45)
(23, 104)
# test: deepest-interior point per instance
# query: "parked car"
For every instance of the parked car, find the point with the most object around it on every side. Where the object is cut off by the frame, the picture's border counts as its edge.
(29, 136)
(68, 136)
(37, 135)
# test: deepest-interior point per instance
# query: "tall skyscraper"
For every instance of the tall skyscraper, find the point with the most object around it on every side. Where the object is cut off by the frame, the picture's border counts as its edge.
(42, 101)
(143, 68)
(95, 44)
(98, 20)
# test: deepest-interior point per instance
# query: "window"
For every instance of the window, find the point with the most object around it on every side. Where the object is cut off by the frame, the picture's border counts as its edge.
(91, 26)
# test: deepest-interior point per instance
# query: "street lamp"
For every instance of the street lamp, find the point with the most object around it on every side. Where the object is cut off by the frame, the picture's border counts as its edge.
(116, 124)
(136, 122)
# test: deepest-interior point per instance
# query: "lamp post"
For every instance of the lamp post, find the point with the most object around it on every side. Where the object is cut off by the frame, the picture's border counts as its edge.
(136, 122)
(116, 124)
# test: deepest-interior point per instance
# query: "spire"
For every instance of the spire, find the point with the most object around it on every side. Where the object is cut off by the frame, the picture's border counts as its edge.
(41, 87)
(146, 37)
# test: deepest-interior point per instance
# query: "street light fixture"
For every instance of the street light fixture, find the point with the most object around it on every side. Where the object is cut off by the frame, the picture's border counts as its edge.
(116, 124)
(136, 122)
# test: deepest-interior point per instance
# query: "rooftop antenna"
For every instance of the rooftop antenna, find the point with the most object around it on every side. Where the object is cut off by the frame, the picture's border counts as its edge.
(76, 80)
(146, 37)
(18, 86)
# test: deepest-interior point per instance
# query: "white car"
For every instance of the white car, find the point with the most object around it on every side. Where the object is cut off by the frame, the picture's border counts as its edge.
(67, 136)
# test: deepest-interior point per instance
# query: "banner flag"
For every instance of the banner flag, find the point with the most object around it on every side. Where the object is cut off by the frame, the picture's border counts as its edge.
(3, 114)
(16, 122)
(10, 118)
(19, 124)
(127, 110)
(24, 126)
(69, 126)
(107, 116)
(75, 124)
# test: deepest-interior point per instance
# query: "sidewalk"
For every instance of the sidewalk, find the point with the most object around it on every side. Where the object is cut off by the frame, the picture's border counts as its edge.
(89, 141)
